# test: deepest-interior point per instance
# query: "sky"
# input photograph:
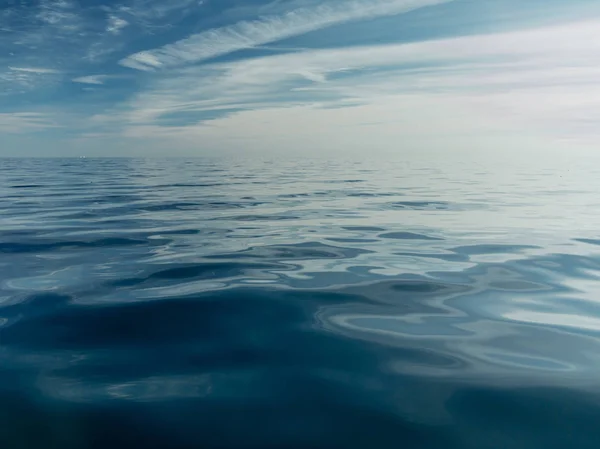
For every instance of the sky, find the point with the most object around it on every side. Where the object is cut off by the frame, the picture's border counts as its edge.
(298, 77)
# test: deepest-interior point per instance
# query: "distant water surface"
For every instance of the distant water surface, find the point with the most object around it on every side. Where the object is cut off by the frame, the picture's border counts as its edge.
(172, 303)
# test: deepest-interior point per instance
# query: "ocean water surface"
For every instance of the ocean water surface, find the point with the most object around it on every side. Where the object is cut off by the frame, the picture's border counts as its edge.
(224, 303)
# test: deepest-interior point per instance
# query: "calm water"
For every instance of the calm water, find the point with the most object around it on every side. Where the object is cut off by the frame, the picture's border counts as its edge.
(307, 304)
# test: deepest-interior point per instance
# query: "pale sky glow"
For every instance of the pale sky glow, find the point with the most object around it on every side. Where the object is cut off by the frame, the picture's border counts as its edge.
(288, 76)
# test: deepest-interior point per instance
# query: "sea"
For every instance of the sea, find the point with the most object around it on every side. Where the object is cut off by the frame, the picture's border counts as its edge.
(413, 303)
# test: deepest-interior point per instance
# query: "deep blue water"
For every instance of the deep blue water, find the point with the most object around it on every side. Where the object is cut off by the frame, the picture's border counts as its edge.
(299, 304)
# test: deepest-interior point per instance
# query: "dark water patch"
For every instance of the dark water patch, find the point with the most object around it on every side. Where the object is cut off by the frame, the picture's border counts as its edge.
(518, 286)
(145, 324)
(27, 186)
(408, 291)
(370, 194)
(450, 257)
(204, 317)
(294, 195)
(188, 185)
(299, 251)
(208, 271)
(263, 217)
(197, 272)
(524, 418)
(363, 228)
(407, 236)
(492, 249)
(315, 409)
(176, 232)
(421, 205)
(82, 215)
(318, 193)
(113, 199)
(351, 240)
(116, 241)
(18, 233)
(346, 181)
(33, 247)
(166, 207)
(589, 241)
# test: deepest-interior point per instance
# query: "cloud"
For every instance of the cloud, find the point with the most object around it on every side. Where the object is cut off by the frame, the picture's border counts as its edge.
(465, 63)
(67, 33)
(568, 47)
(115, 24)
(400, 123)
(91, 79)
(249, 34)
(37, 70)
(46, 32)
(60, 14)
(538, 81)
(21, 122)
(159, 9)
(142, 61)
(19, 79)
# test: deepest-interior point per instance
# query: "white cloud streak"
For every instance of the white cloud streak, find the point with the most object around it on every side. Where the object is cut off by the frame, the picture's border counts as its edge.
(18, 79)
(60, 14)
(249, 34)
(116, 24)
(562, 47)
(37, 70)
(540, 80)
(91, 79)
(550, 55)
(20, 122)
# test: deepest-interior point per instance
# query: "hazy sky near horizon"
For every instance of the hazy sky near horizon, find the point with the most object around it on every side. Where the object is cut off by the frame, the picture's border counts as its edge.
(209, 77)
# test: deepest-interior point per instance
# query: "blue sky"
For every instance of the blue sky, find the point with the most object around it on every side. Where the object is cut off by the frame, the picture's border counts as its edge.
(208, 77)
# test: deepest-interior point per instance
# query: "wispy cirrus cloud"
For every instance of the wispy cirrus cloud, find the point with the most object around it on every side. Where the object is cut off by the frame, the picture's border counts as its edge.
(69, 32)
(38, 70)
(18, 79)
(42, 33)
(538, 80)
(61, 14)
(249, 34)
(148, 16)
(91, 79)
(20, 122)
(531, 56)
(521, 58)
(116, 24)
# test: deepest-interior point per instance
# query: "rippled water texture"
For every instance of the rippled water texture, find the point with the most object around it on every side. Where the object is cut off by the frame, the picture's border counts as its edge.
(308, 304)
